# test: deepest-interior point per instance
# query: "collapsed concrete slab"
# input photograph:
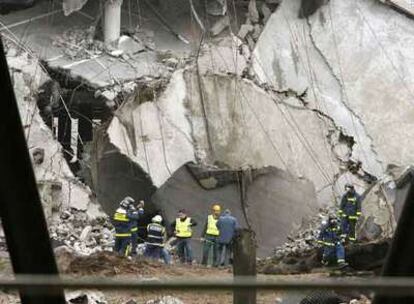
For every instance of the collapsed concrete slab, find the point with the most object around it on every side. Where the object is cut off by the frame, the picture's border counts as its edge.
(58, 187)
(224, 123)
(344, 56)
(227, 122)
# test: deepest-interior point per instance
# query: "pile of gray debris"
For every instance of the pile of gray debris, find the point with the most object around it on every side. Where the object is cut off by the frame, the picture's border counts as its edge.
(80, 233)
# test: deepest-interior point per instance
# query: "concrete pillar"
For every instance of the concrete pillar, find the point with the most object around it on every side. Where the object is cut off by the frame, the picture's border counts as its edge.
(112, 20)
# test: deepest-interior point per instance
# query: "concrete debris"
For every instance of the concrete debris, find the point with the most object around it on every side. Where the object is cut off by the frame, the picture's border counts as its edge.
(266, 12)
(70, 6)
(217, 7)
(223, 57)
(244, 30)
(303, 242)
(85, 297)
(171, 62)
(253, 13)
(79, 43)
(129, 46)
(116, 53)
(220, 25)
(257, 31)
(81, 234)
(58, 187)
(165, 300)
(6, 298)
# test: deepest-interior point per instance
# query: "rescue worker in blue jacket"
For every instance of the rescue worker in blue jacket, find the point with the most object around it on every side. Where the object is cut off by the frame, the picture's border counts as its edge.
(137, 213)
(156, 237)
(332, 242)
(122, 224)
(349, 211)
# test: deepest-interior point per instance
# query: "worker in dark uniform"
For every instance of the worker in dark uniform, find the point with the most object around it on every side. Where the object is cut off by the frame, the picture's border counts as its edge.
(183, 232)
(137, 213)
(122, 224)
(211, 234)
(350, 211)
(156, 237)
(332, 242)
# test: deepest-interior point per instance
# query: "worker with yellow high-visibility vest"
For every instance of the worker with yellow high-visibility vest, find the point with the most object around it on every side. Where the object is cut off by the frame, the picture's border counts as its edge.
(211, 234)
(183, 232)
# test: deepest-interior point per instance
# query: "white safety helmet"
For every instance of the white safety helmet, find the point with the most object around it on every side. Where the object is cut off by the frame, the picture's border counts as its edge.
(157, 219)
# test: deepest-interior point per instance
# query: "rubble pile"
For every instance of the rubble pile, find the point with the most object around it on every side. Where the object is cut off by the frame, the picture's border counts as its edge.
(81, 234)
(79, 43)
(303, 242)
(165, 300)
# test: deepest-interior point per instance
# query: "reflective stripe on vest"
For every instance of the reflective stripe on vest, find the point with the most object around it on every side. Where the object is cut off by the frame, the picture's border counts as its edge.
(155, 234)
(122, 217)
(211, 226)
(122, 234)
(134, 229)
(183, 228)
(352, 200)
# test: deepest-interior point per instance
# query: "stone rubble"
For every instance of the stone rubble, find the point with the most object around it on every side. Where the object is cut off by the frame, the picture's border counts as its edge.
(79, 43)
(81, 234)
(165, 300)
(258, 13)
(303, 242)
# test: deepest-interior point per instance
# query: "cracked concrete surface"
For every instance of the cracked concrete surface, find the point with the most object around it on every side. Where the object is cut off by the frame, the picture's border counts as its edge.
(353, 57)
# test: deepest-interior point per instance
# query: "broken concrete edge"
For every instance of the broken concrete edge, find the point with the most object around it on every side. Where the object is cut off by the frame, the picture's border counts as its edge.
(61, 192)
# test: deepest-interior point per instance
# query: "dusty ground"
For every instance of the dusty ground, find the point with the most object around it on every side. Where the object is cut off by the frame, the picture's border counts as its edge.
(111, 266)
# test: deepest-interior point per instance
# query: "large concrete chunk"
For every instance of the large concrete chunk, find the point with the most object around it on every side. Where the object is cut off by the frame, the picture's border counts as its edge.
(232, 124)
(354, 59)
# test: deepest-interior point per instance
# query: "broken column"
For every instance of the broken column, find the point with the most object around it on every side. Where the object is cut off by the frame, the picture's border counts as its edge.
(112, 20)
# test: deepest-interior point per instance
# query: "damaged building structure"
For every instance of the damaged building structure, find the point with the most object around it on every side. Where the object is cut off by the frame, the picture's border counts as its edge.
(267, 107)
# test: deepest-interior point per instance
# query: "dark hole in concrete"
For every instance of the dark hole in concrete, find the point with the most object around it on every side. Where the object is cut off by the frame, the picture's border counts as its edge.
(309, 7)
(64, 101)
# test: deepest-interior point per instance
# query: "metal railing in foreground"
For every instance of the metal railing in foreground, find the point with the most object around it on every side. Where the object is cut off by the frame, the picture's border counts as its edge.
(46, 285)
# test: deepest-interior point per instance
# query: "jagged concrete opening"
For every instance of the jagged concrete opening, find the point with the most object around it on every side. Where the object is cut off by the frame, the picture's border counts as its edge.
(114, 176)
(71, 110)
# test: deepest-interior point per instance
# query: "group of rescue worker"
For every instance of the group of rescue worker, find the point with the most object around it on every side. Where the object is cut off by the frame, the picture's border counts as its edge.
(219, 231)
(340, 228)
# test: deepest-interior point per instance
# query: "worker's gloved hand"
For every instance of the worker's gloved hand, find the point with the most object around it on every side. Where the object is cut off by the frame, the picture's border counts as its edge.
(141, 211)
